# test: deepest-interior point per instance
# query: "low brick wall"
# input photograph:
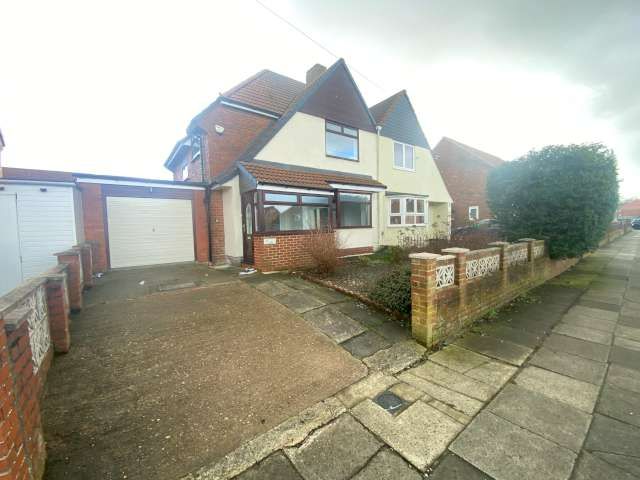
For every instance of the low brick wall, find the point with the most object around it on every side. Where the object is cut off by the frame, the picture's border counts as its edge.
(452, 290)
(34, 322)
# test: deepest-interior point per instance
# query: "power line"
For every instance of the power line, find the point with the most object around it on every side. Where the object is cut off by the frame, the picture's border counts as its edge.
(317, 43)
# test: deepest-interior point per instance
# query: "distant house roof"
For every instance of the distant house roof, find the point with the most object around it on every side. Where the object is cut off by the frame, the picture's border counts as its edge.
(295, 176)
(487, 158)
(630, 208)
(398, 120)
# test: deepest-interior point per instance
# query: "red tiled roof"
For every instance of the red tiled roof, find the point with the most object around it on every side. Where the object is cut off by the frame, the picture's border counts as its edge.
(266, 90)
(491, 160)
(270, 174)
(630, 208)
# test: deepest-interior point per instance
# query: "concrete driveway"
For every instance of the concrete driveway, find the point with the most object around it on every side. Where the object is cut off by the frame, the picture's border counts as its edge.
(158, 383)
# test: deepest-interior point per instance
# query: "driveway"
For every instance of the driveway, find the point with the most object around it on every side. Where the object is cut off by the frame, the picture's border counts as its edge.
(162, 379)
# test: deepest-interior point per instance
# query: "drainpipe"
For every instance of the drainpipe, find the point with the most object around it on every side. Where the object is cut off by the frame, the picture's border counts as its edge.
(207, 206)
(381, 194)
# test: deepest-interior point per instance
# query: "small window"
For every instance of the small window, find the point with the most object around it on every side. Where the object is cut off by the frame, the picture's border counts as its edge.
(185, 171)
(354, 209)
(314, 200)
(474, 213)
(196, 147)
(403, 156)
(280, 198)
(407, 211)
(341, 141)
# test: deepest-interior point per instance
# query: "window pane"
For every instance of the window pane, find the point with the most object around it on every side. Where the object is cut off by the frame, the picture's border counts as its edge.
(315, 199)
(410, 205)
(341, 146)
(354, 210)
(350, 131)
(408, 156)
(396, 220)
(420, 205)
(280, 197)
(284, 217)
(397, 155)
(395, 205)
(409, 219)
(334, 127)
(420, 219)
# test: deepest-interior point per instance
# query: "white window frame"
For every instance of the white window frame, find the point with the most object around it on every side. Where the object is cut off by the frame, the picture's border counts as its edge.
(185, 171)
(403, 212)
(477, 209)
(404, 160)
(198, 139)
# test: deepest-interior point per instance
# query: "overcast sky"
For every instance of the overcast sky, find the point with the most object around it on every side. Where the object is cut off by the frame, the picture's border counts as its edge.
(108, 87)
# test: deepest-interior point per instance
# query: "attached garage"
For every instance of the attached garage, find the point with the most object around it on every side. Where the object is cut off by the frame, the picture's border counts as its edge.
(149, 231)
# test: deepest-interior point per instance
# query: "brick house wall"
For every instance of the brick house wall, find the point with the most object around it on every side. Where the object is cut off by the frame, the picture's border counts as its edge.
(216, 212)
(466, 181)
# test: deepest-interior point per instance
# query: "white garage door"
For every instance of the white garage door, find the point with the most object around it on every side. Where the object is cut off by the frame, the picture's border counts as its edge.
(149, 231)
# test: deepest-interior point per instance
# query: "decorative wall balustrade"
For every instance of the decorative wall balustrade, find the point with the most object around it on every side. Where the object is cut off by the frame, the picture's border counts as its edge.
(38, 323)
(516, 256)
(538, 251)
(483, 266)
(445, 275)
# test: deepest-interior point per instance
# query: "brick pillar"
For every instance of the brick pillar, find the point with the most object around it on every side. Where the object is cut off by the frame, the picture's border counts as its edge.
(460, 272)
(74, 277)
(58, 306)
(423, 297)
(504, 279)
(216, 212)
(530, 243)
(87, 264)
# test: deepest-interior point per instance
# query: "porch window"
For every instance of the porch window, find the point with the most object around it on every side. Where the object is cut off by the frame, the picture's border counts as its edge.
(403, 156)
(341, 141)
(407, 211)
(354, 210)
(283, 212)
(185, 171)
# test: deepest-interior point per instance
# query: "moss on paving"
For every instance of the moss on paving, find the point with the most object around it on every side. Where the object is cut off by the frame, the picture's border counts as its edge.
(573, 279)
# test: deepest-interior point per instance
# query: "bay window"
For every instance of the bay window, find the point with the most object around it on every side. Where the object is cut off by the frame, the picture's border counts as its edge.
(291, 212)
(354, 210)
(407, 211)
(403, 158)
(341, 141)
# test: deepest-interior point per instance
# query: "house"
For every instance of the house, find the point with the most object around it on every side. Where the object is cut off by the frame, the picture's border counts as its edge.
(629, 209)
(465, 170)
(282, 158)
(2, 145)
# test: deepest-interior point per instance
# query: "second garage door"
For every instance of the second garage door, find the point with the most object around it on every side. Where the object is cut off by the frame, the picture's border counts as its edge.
(149, 231)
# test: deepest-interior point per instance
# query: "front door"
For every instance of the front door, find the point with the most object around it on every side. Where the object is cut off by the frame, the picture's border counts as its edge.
(10, 264)
(248, 226)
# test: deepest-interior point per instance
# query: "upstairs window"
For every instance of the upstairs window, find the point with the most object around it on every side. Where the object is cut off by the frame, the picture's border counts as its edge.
(407, 211)
(403, 158)
(196, 147)
(341, 141)
(474, 213)
(185, 171)
(354, 210)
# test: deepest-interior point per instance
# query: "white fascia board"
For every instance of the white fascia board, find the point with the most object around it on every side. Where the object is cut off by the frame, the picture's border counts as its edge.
(358, 188)
(279, 188)
(36, 182)
(247, 109)
(132, 183)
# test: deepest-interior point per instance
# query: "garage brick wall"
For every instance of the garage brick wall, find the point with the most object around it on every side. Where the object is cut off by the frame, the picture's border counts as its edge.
(217, 227)
(94, 223)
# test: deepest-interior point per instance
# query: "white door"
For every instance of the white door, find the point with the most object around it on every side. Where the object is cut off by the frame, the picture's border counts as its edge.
(149, 231)
(10, 264)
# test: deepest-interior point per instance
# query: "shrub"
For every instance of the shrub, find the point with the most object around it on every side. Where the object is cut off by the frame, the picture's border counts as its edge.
(565, 194)
(394, 291)
(324, 249)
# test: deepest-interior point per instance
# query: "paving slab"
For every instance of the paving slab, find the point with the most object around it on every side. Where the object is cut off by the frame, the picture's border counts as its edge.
(630, 320)
(551, 419)
(589, 322)
(275, 466)
(336, 451)
(407, 392)
(299, 301)
(458, 358)
(393, 331)
(361, 312)
(597, 313)
(398, 357)
(625, 356)
(420, 434)
(326, 295)
(626, 343)
(452, 467)
(368, 387)
(613, 436)
(570, 365)
(599, 305)
(628, 332)
(588, 334)
(625, 378)
(273, 288)
(467, 405)
(506, 451)
(515, 335)
(590, 467)
(386, 465)
(453, 380)
(333, 323)
(578, 394)
(574, 346)
(493, 373)
(492, 347)
(627, 463)
(620, 404)
(449, 410)
(365, 344)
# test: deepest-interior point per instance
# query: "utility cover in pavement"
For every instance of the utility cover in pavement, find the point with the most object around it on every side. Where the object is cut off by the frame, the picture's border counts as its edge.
(391, 402)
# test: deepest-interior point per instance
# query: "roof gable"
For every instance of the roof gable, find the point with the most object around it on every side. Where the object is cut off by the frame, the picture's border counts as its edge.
(399, 121)
(266, 90)
(469, 152)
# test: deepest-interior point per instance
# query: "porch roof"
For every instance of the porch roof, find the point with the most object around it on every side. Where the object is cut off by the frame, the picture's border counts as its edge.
(295, 176)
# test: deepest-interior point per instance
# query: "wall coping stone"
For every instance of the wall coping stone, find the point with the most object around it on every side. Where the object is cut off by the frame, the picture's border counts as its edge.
(11, 298)
(446, 257)
(455, 250)
(13, 319)
(498, 244)
(527, 239)
(424, 256)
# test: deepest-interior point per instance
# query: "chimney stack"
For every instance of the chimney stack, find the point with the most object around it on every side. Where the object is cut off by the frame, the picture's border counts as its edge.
(314, 73)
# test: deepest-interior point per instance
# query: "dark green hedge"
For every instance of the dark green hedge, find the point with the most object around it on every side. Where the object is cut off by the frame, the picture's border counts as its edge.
(566, 194)
(394, 290)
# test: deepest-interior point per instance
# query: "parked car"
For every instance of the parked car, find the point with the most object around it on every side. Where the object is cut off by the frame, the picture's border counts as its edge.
(635, 223)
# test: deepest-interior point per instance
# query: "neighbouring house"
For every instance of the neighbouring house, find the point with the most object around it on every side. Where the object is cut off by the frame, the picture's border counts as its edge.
(629, 209)
(464, 170)
(282, 158)
(2, 145)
